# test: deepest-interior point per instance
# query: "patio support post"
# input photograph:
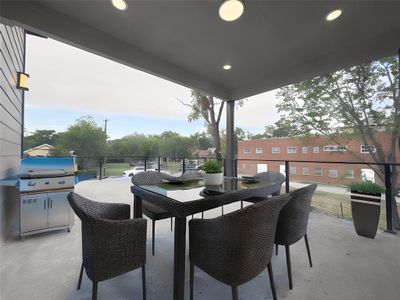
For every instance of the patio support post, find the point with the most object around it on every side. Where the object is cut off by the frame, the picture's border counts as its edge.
(389, 199)
(230, 139)
(287, 176)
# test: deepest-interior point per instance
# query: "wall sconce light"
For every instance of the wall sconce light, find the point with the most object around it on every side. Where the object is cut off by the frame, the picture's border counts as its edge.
(22, 81)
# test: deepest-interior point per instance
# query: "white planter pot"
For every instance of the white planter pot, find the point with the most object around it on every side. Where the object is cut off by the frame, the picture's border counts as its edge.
(213, 178)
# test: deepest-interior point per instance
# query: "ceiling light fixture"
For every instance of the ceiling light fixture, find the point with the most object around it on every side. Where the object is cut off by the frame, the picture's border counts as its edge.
(333, 15)
(227, 67)
(231, 10)
(119, 4)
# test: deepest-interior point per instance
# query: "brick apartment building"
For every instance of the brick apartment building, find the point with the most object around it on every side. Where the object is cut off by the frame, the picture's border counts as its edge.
(311, 149)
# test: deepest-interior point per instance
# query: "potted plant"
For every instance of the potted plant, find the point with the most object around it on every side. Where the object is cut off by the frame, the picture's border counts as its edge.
(365, 207)
(213, 172)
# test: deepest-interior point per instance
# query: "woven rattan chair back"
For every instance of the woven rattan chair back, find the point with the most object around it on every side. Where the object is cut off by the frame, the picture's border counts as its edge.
(236, 247)
(293, 219)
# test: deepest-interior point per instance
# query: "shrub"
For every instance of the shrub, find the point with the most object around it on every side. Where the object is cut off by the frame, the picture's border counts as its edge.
(367, 187)
(212, 166)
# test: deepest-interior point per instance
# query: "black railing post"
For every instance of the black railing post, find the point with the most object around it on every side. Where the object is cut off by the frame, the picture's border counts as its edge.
(159, 164)
(236, 168)
(183, 165)
(389, 199)
(145, 163)
(101, 170)
(224, 165)
(287, 176)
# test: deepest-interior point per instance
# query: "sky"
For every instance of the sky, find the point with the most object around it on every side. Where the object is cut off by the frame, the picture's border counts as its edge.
(66, 83)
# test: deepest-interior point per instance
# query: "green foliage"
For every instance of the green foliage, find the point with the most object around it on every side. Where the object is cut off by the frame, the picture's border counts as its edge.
(40, 137)
(359, 97)
(367, 187)
(212, 166)
(84, 138)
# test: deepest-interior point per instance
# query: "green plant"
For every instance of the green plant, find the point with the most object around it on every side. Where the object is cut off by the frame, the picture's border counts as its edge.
(367, 187)
(212, 166)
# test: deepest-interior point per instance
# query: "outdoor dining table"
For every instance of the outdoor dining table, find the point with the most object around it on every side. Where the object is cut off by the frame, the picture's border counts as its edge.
(188, 197)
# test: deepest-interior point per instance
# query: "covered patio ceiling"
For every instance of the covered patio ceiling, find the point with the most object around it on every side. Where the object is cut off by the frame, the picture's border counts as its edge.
(273, 44)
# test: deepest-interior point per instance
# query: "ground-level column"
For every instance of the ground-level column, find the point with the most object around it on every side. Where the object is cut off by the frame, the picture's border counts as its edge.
(230, 139)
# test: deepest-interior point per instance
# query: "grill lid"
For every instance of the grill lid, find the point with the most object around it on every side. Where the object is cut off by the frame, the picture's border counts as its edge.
(39, 167)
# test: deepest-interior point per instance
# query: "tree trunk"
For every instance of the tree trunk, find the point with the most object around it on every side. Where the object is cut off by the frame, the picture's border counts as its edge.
(217, 142)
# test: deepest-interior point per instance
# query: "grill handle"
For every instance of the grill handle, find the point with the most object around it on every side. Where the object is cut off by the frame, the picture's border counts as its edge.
(44, 204)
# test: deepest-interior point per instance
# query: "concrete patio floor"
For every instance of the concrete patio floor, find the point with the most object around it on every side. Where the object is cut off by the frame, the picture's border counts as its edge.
(346, 266)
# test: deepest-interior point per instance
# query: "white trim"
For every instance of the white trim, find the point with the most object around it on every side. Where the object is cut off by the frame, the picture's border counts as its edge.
(291, 147)
(366, 202)
(334, 148)
(363, 151)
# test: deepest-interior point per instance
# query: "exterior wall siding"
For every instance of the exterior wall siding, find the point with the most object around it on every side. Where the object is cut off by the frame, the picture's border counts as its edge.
(11, 114)
(247, 150)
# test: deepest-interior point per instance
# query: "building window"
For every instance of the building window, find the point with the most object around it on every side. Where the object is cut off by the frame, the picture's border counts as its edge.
(318, 172)
(335, 148)
(292, 170)
(305, 171)
(367, 148)
(304, 149)
(315, 149)
(246, 150)
(332, 173)
(259, 150)
(276, 149)
(348, 173)
(291, 150)
(244, 166)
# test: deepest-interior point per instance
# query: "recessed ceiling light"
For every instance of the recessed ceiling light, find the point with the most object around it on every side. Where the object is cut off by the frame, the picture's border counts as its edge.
(226, 67)
(231, 10)
(334, 14)
(119, 4)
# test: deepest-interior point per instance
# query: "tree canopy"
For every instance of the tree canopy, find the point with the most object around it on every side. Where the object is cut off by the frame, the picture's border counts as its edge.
(84, 138)
(359, 100)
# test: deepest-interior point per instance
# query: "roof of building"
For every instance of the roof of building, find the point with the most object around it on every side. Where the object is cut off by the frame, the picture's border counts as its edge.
(43, 146)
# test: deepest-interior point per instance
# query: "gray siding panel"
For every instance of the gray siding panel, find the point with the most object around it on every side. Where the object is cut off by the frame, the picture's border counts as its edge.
(11, 62)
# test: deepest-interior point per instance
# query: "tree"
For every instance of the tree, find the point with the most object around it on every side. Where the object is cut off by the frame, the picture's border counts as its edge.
(84, 138)
(210, 110)
(40, 137)
(202, 140)
(362, 98)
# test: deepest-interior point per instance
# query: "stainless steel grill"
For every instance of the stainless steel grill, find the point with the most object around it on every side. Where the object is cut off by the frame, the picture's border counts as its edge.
(44, 184)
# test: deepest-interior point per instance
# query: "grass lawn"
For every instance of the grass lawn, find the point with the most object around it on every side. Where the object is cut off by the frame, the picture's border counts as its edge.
(115, 169)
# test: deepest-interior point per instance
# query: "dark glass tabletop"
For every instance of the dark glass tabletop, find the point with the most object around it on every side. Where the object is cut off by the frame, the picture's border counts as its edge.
(190, 190)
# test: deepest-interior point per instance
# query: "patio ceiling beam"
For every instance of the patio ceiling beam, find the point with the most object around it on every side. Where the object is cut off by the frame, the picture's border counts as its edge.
(45, 21)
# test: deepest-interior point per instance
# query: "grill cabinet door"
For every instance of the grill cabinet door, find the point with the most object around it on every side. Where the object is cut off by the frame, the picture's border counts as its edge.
(33, 212)
(59, 209)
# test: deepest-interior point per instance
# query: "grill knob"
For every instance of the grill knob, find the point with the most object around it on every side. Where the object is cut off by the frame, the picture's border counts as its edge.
(31, 183)
(47, 182)
(61, 182)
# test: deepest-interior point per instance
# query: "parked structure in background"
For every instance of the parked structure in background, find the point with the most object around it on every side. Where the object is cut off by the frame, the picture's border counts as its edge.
(320, 151)
(42, 150)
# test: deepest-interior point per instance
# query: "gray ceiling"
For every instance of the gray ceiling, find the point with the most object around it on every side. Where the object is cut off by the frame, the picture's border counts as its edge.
(273, 44)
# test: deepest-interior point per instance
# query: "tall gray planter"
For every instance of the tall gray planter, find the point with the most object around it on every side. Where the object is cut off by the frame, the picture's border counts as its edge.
(365, 209)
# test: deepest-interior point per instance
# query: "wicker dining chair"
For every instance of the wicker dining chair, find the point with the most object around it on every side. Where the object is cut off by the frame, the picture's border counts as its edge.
(112, 244)
(236, 247)
(150, 210)
(292, 224)
(270, 176)
(273, 177)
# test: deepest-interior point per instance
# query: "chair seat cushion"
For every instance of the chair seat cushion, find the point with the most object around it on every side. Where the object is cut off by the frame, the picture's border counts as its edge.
(154, 212)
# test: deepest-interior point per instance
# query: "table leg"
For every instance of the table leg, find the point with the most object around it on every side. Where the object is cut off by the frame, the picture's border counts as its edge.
(179, 258)
(137, 207)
